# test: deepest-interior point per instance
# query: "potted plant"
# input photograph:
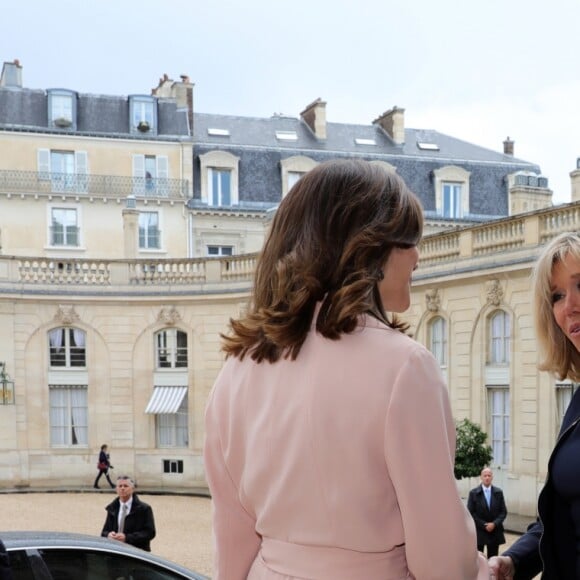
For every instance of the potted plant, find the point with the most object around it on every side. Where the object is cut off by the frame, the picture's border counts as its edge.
(62, 122)
(143, 126)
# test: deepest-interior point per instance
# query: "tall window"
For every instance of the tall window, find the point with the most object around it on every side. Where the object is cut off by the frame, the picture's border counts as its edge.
(150, 175)
(64, 230)
(67, 347)
(149, 234)
(143, 113)
(61, 109)
(564, 393)
(172, 427)
(451, 191)
(220, 187)
(499, 407)
(219, 177)
(171, 349)
(438, 340)
(500, 338)
(452, 200)
(66, 170)
(68, 415)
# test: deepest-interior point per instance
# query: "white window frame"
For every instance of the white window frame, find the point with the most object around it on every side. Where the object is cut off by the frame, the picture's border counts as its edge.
(68, 415)
(75, 239)
(499, 332)
(70, 343)
(67, 170)
(143, 108)
(216, 250)
(172, 429)
(499, 427)
(168, 352)
(61, 108)
(297, 164)
(452, 175)
(219, 160)
(438, 339)
(218, 196)
(150, 175)
(145, 241)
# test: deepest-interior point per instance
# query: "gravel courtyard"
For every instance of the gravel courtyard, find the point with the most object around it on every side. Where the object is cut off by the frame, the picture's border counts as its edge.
(183, 522)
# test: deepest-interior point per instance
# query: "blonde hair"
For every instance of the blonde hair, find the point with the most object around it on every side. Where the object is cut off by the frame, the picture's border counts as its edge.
(560, 356)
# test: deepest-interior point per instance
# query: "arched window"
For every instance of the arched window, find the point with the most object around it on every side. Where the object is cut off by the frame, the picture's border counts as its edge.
(67, 347)
(170, 349)
(438, 339)
(293, 168)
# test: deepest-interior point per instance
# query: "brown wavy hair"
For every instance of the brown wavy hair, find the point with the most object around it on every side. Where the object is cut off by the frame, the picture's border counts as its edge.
(328, 243)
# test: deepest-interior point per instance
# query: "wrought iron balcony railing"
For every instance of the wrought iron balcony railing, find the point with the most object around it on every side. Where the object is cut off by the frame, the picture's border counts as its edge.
(92, 185)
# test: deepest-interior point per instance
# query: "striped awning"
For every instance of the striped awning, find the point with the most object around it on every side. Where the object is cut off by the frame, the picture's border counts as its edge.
(165, 400)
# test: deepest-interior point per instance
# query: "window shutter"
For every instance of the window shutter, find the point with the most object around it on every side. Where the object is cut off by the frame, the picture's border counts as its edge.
(138, 165)
(162, 167)
(138, 174)
(43, 157)
(81, 162)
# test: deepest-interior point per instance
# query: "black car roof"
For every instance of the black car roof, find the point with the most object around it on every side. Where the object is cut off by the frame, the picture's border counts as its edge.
(21, 540)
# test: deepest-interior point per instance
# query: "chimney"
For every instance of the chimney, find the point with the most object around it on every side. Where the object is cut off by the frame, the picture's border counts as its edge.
(392, 122)
(508, 147)
(181, 91)
(314, 115)
(11, 74)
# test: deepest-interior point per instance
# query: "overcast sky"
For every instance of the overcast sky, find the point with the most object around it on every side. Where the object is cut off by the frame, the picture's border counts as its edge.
(477, 70)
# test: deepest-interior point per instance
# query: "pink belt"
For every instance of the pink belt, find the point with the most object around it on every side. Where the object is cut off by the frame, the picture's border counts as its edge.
(319, 562)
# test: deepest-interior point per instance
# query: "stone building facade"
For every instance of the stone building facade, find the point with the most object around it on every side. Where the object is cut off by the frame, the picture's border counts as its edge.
(128, 232)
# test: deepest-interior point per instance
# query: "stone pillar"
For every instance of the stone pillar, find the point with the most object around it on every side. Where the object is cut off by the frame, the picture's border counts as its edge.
(131, 229)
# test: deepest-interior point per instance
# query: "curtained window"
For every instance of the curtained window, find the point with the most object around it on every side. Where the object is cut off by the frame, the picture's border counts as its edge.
(68, 415)
(67, 347)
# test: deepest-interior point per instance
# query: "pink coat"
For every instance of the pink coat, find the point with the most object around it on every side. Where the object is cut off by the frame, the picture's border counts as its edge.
(338, 465)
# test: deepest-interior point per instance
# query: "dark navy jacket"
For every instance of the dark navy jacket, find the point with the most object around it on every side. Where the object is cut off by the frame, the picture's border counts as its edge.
(549, 544)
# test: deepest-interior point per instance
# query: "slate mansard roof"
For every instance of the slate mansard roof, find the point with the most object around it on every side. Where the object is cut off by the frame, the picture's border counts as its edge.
(26, 110)
(254, 141)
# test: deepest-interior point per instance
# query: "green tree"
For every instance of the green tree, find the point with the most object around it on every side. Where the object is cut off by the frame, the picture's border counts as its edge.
(472, 453)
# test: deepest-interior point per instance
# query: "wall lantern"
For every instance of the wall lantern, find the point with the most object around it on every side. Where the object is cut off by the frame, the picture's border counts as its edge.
(6, 386)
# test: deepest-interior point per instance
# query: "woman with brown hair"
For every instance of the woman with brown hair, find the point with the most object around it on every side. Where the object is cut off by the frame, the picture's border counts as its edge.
(329, 437)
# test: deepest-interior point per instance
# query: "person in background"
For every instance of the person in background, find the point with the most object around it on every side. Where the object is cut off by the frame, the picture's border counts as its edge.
(103, 465)
(551, 545)
(326, 415)
(129, 519)
(486, 505)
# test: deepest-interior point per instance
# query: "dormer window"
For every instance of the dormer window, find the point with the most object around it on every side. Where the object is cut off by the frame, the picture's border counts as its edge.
(143, 114)
(61, 109)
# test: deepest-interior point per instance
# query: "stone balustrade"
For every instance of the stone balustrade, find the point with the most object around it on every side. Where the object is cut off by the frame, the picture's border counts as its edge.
(505, 237)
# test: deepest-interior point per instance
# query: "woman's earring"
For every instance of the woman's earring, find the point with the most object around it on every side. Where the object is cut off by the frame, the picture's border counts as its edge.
(380, 275)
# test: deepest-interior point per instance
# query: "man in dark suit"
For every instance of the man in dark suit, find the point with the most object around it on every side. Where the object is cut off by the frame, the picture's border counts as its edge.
(486, 505)
(129, 519)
